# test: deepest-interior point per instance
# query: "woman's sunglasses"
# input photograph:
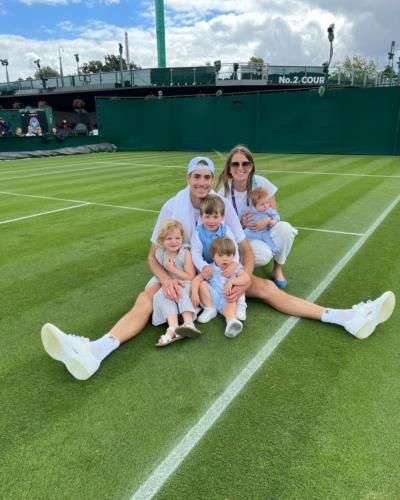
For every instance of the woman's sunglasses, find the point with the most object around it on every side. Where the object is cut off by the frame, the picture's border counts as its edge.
(244, 164)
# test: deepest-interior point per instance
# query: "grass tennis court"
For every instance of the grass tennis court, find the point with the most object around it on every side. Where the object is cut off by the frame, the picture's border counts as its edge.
(318, 420)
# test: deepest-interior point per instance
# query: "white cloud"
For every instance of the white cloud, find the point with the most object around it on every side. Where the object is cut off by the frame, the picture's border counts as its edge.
(293, 32)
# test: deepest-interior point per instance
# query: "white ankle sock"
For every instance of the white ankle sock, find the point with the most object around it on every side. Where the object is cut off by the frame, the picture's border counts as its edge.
(337, 316)
(104, 346)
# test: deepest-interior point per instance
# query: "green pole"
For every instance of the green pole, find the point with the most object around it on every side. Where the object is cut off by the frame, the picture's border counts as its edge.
(160, 29)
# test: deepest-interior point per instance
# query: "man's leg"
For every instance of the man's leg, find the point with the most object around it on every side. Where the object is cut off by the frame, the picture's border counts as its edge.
(360, 321)
(81, 356)
(269, 293)
(133, 322)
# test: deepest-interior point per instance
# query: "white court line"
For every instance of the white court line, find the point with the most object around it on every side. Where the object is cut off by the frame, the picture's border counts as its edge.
(124, 207)
(168, 466)
(49, 166)
(329, 231)
(106, 164)
(338, 174)
(87, 202)
(44, 213)
(57, 172)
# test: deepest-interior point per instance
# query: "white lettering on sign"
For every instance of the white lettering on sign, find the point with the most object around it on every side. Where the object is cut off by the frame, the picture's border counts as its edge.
(308, 80)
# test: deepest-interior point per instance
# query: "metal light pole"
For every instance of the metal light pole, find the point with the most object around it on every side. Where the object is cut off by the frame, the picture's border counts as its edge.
(61, 67)
(390, 57)
(4, 62)
(398, 74)
(77, 63)
(120, 63)
(37, 62)
(325, 65)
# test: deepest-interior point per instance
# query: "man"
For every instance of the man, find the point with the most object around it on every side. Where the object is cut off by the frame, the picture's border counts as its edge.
(82, 357)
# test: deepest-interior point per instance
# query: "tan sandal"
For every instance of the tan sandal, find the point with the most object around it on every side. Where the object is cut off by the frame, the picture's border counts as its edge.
(187, 330)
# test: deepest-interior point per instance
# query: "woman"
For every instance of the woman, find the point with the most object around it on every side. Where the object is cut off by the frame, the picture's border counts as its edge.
(239, 179)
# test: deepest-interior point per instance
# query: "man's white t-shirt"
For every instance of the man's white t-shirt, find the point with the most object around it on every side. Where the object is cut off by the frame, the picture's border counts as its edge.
(190, 216)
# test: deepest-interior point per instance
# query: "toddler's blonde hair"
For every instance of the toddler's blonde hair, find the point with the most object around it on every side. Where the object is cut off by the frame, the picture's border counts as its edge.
(166, 227)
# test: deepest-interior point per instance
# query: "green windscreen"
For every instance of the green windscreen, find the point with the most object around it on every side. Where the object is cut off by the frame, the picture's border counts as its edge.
(342, 120)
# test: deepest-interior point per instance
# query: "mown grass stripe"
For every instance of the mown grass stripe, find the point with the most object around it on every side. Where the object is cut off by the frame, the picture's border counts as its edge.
(83, 202)
(43, 213)
(328, 231)
(168, 466)
(334, 174)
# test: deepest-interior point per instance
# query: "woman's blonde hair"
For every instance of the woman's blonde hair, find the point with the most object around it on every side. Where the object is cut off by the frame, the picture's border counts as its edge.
(222, 246)
(166, 227)
(225, 176)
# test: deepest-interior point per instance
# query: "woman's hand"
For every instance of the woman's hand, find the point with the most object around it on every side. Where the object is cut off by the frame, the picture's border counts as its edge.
(261, 224)
(246, 220)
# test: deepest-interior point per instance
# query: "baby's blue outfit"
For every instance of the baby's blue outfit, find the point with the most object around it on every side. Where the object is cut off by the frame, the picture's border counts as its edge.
(217, 283)
(264, 234)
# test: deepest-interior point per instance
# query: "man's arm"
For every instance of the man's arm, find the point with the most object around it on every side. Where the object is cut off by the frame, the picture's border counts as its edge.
(195, 289)
(247, 258)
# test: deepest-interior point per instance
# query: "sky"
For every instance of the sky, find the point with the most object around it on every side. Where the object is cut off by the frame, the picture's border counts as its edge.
(282, 32)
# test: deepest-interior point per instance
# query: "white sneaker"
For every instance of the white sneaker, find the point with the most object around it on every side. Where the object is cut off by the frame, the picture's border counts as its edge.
(367, 315)
(71, 350)
(207, 315)
(241, 312)
(233, 328)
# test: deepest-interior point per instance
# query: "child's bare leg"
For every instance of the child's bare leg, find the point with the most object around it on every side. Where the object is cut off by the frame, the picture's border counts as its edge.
(229, 311)
(187, 317)
(205, 295)
(172, 321)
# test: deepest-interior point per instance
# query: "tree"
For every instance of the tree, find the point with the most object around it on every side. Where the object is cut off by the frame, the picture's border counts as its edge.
(94, 66)
(46, 72)
(357, 65)
(389, 72)
(256, 60)
(111, 63)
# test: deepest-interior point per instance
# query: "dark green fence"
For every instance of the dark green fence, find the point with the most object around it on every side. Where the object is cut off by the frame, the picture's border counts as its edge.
(345, 120)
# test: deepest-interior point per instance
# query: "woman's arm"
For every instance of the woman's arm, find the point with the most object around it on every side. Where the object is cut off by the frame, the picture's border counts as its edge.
(272, 202)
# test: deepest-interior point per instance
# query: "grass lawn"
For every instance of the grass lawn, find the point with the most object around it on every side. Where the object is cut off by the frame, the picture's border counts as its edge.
(288, 410)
